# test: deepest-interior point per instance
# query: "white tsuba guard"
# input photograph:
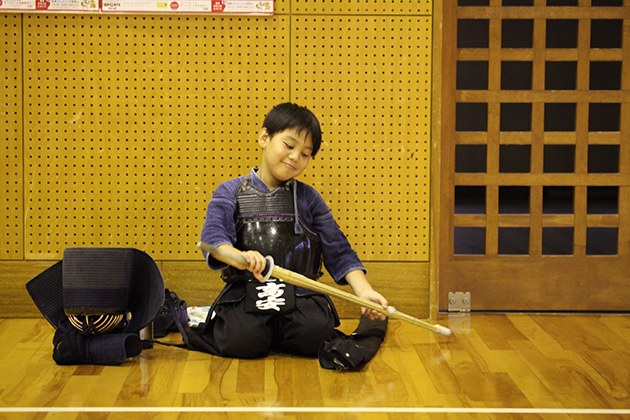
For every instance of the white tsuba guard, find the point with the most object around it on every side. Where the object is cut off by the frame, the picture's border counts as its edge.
(270, 266)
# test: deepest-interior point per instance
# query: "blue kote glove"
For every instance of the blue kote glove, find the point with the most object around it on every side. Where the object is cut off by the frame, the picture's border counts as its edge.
(73, 348)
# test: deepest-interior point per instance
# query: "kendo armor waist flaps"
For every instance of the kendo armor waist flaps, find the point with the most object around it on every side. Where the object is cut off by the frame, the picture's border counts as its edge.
(270, 222)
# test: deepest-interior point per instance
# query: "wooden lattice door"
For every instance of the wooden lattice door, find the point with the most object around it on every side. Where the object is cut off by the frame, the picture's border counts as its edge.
(535, 159)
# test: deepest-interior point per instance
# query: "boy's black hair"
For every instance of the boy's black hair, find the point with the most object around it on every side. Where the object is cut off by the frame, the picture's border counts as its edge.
(288, 116)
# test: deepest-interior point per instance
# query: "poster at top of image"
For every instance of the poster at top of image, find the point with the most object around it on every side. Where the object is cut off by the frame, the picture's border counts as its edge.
(235, 7)
(50, 5)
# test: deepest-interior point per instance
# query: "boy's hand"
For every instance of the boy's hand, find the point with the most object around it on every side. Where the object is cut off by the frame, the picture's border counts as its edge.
(363, 289)
(375, 297)
(256, 262)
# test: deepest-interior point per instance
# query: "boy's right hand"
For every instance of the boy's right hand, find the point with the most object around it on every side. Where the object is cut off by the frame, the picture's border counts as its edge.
(257, 263)
(255, 260)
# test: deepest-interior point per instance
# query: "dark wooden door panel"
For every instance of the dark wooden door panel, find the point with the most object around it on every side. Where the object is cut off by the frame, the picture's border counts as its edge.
(540, 284)
(535, 157)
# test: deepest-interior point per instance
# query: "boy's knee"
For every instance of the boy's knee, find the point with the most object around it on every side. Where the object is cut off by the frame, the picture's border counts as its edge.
(244, 350)
(307, 339)
(243, 341)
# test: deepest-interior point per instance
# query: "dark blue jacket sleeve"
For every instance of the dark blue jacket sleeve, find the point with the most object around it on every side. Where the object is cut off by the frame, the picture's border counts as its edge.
(219, 226)
(339, 257)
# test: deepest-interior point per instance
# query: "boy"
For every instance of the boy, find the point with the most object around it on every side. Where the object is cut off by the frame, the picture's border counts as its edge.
(268, 212)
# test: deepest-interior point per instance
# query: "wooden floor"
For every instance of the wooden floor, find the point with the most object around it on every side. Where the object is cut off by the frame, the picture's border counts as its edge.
(494, 366)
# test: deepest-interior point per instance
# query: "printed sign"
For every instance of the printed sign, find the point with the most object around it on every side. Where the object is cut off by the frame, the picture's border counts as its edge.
(226, 7)
(50, 5)
(190, 6)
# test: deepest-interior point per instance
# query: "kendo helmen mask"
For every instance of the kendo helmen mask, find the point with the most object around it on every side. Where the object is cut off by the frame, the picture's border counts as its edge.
(98, 299)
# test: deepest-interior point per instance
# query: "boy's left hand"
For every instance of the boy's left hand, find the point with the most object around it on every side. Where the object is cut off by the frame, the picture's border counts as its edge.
(363, 289)
(375, 297)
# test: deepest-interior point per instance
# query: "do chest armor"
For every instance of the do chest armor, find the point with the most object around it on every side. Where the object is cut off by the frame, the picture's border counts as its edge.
(271, 223)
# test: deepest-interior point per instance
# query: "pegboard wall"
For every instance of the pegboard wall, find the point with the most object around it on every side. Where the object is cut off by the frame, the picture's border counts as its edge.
(11, 225)
(131, 121)
(362, 7)
(370, 79)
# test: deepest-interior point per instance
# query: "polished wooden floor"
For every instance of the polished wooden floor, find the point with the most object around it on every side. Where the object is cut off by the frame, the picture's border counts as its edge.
(494, 366)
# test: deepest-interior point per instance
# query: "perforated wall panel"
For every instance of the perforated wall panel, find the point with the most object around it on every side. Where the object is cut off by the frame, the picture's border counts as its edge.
(11, 225)
(369, 78)
(351, 7)
(132, 121)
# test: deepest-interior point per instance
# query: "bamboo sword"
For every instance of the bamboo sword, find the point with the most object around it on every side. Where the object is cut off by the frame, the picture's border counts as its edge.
(299, 280)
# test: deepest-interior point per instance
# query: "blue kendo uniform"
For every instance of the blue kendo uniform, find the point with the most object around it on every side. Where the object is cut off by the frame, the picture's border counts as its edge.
(293, 225)
(248, 319)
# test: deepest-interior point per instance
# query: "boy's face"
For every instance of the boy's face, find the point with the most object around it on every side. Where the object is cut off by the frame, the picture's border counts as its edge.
(285, 155)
